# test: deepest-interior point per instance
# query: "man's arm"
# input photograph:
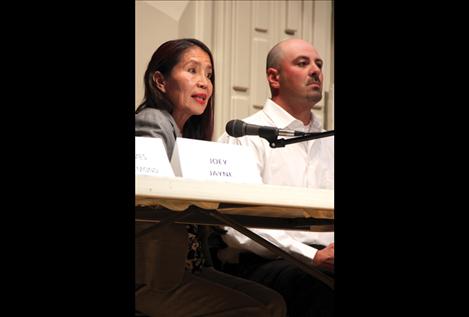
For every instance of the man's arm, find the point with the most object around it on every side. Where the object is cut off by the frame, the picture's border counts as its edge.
(323, 259)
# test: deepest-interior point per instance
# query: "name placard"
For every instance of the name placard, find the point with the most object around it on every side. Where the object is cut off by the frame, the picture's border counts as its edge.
(198, 159)
(151, 158)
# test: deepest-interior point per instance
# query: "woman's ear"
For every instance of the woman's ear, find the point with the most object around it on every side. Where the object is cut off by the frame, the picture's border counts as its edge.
(159, 81)
(273, 77)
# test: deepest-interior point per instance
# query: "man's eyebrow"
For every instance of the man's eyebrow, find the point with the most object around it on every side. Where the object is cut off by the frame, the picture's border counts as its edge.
(307, 58)
(301, 57)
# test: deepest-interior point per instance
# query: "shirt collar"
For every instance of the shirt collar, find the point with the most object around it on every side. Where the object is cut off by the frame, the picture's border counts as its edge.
(283, 120)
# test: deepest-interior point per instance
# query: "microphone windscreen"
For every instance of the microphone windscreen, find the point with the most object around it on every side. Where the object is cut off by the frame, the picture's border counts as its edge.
(235, 128)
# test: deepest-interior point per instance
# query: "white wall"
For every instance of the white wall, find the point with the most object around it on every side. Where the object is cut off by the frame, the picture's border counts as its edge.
(155, 23)
(244, 32)
(159, 21)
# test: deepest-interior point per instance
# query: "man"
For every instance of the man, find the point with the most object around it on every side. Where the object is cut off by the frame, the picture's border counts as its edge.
(295, 79)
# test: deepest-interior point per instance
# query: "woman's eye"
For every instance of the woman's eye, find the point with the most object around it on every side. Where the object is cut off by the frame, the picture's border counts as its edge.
(192, 70)
(209, 75)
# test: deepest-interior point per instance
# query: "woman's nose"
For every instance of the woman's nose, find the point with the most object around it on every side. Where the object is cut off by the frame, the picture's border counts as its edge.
(203, 82)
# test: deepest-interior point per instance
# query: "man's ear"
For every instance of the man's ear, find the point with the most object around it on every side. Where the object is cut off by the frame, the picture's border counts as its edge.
(273, 77)
(159, 81)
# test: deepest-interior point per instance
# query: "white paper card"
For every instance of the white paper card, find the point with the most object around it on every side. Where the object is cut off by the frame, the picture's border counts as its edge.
(204, 160)
(151, 158)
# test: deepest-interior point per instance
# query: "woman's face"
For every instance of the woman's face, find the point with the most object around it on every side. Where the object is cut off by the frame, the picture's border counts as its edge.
(188, 86)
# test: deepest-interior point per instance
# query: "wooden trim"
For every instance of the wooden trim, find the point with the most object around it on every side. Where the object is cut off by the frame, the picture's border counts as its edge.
(239, 88)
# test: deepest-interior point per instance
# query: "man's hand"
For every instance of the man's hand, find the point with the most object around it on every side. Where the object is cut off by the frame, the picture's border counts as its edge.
(324, 258)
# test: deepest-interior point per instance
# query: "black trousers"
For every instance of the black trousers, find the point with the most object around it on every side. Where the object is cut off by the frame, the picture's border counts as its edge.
(305, 296)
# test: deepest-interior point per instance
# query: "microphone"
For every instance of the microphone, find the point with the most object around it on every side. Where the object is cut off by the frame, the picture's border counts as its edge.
(238, 128)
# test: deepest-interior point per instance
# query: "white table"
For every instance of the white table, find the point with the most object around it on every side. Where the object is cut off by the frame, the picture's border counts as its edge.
(164, 200)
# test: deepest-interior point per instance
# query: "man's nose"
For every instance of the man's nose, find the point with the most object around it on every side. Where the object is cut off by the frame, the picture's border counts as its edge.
(314, 72)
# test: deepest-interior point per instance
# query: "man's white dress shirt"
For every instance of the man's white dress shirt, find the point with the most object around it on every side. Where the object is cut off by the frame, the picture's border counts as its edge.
(302, 164)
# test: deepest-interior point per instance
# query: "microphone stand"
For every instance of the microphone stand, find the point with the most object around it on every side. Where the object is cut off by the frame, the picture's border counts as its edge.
(274, 142)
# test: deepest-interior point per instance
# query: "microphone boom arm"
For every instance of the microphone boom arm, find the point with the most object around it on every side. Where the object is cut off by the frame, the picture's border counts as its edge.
(274, 142)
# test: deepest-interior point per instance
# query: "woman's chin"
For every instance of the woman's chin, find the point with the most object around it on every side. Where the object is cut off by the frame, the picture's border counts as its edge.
(198, 111)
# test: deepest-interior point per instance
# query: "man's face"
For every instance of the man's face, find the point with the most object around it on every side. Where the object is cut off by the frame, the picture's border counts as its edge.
(300, 74)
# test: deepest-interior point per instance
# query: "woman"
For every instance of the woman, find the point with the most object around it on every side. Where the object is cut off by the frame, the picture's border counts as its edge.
(171, 261)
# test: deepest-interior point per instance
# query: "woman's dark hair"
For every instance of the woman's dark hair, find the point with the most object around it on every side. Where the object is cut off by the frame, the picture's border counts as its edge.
(163, 60)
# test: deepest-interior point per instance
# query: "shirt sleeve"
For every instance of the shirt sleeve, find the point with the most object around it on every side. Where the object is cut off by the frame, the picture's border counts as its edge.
(280, 238)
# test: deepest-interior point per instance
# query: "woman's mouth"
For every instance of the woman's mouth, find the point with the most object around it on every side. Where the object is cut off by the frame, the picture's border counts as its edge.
(200, 98)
